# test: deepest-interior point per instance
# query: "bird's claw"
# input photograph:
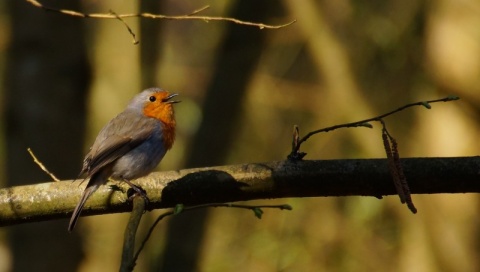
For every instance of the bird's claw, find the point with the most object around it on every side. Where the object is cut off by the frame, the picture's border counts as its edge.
(136, 190)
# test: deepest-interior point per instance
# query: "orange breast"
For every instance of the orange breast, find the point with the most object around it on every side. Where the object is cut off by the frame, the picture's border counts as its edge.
(168, 134)
(164, 113)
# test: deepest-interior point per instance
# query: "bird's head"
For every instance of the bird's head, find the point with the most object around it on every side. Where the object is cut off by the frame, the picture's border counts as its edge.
(156, 103)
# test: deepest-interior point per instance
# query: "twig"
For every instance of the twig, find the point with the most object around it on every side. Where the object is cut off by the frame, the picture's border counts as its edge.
(295, 139)
(294, 155)
(199, 10)
(35, 160)
(128, 263)
(180, 208)
(190, 16)
(135, 41)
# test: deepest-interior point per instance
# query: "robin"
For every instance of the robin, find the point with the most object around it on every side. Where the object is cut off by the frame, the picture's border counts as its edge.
(131, 145)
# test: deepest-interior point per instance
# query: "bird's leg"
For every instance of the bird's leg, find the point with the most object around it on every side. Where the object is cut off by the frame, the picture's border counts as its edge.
(138, 190)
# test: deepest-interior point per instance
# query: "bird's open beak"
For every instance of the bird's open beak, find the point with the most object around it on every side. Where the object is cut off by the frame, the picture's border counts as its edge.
(168, 101)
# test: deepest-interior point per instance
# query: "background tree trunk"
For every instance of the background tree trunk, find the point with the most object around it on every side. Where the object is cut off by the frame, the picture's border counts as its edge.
(47, 75)
(236, 62)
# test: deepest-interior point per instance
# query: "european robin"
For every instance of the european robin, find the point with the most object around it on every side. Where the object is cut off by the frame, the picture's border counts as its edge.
(131, 145)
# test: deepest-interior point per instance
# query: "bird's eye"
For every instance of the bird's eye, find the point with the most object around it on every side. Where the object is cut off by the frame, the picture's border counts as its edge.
(152, 98)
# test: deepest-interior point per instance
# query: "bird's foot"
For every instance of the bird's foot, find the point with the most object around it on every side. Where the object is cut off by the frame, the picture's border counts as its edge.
(136, 190)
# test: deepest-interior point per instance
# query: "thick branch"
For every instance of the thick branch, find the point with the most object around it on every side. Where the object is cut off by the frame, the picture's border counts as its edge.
(363, 177)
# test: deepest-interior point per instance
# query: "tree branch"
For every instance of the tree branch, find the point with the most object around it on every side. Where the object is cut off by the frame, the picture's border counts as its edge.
(297, 141)
(191, 16)
(128, 257)
(362, 177)
(257, 210)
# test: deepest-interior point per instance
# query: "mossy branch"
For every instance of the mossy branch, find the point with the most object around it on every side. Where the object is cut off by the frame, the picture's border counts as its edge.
(361, 177)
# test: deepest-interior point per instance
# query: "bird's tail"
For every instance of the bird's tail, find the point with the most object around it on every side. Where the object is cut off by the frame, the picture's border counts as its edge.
(91, 188)
(95, 181)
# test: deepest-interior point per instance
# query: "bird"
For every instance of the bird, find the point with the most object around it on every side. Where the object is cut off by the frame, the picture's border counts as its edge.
(130, 145)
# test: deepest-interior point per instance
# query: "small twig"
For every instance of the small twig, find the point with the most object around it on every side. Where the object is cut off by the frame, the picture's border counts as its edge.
(157, 16)
(128, 261)
(364, 123)
(295, 139)
(44, 169)
(199, 10)
(135, 41)
(180, 208)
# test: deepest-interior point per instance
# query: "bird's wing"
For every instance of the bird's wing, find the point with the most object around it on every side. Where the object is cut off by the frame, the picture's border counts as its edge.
(118, 137)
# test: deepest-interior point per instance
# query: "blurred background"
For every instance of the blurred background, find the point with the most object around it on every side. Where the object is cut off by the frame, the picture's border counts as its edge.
(243, 89)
